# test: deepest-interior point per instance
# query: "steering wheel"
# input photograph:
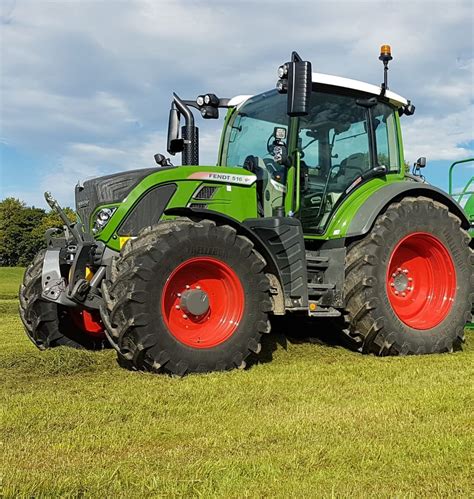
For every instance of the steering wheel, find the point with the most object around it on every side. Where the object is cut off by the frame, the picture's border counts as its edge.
(251, 164)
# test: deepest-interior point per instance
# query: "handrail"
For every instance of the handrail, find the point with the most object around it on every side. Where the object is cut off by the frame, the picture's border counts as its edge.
(451, 168)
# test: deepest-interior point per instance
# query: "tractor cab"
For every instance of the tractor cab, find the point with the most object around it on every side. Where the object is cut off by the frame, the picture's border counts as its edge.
(310, 142)
(349, 134)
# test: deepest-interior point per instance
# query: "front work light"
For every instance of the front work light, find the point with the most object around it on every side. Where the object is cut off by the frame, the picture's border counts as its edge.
(102, 219)
(211, 100)
(282, 71)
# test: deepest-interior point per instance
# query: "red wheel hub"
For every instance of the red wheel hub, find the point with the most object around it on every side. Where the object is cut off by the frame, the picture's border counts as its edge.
(202, 302)
(89, 322)
(421, 281)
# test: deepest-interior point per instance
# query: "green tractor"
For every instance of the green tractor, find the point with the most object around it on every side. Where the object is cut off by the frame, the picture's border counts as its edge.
(310, 212)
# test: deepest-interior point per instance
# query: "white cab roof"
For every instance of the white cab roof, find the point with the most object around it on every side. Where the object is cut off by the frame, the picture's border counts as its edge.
(338, 81)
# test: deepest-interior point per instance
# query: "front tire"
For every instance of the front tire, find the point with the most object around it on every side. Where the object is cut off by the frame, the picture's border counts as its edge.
(48, 325)
(409, 283)
(186, 297)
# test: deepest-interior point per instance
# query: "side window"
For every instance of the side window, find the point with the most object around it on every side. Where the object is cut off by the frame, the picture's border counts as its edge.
(386, 137)
(334, 142)
(351, 150)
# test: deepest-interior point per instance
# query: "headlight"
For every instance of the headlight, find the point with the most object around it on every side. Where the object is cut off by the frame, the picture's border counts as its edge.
(102, 218)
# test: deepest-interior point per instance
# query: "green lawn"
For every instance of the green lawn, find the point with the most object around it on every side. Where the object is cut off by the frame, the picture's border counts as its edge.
(316, 421)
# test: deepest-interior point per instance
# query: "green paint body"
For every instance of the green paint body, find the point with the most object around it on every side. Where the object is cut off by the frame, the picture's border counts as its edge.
(240, 201)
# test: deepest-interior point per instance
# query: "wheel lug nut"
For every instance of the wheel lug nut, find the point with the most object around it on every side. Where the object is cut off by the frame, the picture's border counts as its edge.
(187, 286)
(391, 284)
(179, 295)
(404, 294)
(409, 289)
(185, 316)
(405, 271)
(396, 292)
(198, 287)
(394, 275)
(410, 279)
(177, 307)
(399, 269)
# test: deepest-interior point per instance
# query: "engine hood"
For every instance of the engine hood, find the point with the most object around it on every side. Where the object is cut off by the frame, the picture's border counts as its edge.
(108, 189)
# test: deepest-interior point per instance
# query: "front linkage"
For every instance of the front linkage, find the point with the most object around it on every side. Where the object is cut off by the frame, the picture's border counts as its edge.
(80, 252)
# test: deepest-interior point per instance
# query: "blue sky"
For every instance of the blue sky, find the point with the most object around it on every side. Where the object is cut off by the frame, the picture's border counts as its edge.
(85, 85)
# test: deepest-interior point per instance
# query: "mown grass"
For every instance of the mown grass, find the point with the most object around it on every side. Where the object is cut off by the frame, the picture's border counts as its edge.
(316, 421)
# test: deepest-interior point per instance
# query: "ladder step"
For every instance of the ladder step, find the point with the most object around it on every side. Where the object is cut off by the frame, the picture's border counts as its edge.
(317, 311)
(320, 287)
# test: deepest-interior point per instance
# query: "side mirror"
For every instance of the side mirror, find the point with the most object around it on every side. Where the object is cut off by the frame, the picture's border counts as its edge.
(295, 79)
(299, 86)
(161, 160)
(420, 162)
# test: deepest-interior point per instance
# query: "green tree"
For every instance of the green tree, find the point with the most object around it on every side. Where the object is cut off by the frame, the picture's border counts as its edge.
(22, 230)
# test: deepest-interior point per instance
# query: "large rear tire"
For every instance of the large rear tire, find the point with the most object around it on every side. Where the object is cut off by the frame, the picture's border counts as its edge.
(49, 325)
(186, 297)
(409, 283)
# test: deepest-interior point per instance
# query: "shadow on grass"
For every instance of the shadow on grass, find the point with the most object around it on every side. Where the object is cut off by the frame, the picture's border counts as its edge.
(298, 330)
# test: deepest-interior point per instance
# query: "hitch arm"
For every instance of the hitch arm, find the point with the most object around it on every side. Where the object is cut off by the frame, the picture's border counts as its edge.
(70, 225)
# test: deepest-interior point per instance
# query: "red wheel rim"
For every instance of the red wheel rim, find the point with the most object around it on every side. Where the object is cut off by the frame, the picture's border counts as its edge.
(225, 298)
(88, 322)
(421, 281)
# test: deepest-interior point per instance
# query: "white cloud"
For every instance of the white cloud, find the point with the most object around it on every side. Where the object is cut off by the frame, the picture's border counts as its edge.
(439, 137)
(88, 83)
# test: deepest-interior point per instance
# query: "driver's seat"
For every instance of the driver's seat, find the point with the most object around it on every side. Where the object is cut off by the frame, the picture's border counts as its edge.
(354, 165)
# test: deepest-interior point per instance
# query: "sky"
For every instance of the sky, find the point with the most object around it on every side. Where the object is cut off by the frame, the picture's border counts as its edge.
(85, 86)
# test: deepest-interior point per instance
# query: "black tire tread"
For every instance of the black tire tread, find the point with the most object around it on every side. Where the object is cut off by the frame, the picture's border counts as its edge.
(364, 324)
(124, 291)
(42, 319)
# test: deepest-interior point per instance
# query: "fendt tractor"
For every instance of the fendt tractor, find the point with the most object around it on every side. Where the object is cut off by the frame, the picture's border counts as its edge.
(310, 211)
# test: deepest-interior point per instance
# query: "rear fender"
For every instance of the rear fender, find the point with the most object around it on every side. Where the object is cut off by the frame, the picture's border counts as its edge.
(377, 203)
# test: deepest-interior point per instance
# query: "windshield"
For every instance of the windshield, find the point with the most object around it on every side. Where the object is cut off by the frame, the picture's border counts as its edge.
(253, 127)
(249, 142)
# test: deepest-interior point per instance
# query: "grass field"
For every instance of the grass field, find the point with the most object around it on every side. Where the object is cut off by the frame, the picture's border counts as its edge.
(316, 421)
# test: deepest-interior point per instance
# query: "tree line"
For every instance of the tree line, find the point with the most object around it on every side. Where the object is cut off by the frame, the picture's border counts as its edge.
(22, 230)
